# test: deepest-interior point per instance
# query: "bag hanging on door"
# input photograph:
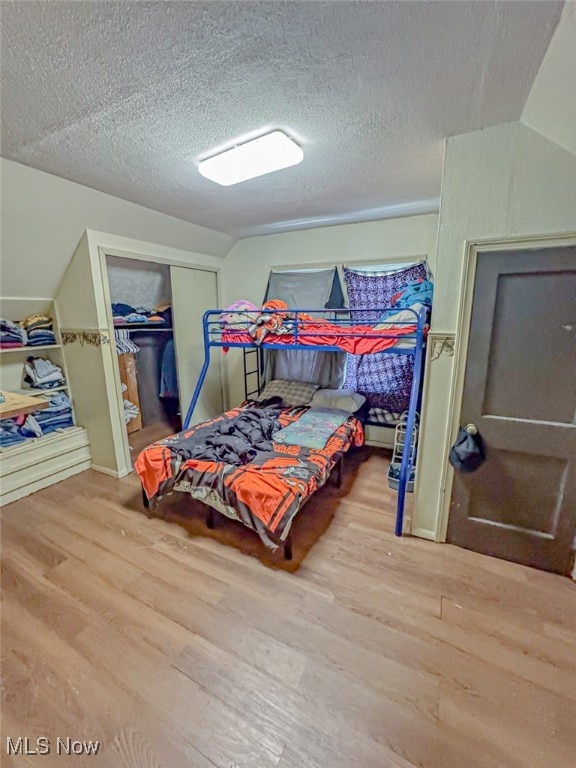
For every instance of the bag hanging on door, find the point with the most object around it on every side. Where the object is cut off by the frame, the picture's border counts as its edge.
(467, 453)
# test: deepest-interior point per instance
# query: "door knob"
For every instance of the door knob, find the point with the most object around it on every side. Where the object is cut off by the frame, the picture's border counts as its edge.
(472, 429)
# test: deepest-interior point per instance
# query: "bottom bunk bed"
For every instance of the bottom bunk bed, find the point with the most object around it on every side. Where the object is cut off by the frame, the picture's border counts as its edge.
(240, 464)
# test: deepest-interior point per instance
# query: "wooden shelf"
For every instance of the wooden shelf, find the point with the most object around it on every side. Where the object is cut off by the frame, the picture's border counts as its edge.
(30, 350)
(38, 441)
(33, 391)
(38, 462)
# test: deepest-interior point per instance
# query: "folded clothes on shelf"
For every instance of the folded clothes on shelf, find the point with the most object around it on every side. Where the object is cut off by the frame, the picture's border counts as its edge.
(35, 331)
(36, 321)
(124, 314)
(11, 334)
(58, 415)
(40, 373)
(41, 337)
(10, 433)
(121, 310)
(39, 330)
(58, 402)
(19, 429)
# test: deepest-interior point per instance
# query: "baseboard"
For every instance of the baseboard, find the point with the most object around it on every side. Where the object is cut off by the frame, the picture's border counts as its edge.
(110, 472)
(379, 444)
(43, 482)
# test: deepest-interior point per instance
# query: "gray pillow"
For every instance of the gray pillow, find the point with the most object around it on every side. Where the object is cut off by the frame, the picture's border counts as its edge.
(291, 392)
(342, 399)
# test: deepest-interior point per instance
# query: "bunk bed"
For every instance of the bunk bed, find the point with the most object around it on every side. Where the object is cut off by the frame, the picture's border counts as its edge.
(170, 465)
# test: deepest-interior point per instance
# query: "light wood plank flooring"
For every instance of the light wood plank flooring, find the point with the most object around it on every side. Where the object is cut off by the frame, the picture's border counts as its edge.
(193, 648)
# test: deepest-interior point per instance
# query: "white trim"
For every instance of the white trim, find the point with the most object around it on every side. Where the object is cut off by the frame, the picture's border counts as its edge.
(329, 262)
(434, 337)
(155, 259)
(110, 245)
(110, 472)
(401, 210)
(471, 250)
(423, 533)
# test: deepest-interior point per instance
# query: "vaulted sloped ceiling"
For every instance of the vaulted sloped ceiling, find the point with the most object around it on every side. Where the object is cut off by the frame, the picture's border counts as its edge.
(123, 96)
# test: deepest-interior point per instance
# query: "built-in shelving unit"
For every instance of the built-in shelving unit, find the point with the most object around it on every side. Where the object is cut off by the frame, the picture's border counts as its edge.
(29, 350)
(132, 327)
(38, 462)
(32, 391)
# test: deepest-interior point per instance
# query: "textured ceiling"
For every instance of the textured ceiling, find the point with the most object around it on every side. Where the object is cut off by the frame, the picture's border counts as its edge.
(123, 96)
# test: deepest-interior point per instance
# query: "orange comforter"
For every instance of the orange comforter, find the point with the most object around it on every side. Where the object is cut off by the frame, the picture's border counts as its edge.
(267, 493)
(355, 339)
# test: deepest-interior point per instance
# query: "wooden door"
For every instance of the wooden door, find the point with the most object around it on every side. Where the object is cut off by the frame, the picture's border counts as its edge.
(520, 391)
(193, 292)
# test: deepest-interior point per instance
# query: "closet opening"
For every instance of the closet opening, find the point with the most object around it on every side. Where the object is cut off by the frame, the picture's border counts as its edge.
(141, 299)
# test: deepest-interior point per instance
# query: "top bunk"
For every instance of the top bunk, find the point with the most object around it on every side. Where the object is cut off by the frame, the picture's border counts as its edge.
(358, 331)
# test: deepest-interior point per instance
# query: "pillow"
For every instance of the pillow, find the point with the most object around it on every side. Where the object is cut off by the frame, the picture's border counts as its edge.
(291, 392)
(341, 399)
(408, 316)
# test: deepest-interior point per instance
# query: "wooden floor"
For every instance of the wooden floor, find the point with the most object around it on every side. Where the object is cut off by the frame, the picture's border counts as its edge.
(150, 434)
(175, 649)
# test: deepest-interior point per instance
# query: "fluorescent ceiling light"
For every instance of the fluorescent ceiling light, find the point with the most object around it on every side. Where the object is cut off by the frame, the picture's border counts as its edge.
(265, 154)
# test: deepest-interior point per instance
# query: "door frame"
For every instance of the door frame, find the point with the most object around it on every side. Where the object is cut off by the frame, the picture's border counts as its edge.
(155, 258)
(472, 248)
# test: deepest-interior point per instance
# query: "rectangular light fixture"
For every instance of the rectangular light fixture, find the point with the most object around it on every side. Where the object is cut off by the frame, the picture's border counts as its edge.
(265, 154)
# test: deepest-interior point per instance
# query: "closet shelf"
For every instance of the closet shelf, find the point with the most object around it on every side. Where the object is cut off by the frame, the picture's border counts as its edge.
(38, 462)
(31, 350)
(51, 437)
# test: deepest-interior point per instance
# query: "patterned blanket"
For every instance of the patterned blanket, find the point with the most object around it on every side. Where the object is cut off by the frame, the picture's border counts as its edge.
(313, 429)
(385, 380)
(264, 494)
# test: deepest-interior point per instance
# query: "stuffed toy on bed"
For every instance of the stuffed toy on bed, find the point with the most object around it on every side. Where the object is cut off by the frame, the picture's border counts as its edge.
(239, 315)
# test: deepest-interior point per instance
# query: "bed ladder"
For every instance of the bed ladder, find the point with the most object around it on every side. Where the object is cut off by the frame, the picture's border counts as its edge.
(252, 357)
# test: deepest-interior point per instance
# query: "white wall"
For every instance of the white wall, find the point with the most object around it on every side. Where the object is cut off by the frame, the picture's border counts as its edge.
(247, 266)
(249, 262)
(500, 182)
(44, 217)
(551, 105)
(138, 283)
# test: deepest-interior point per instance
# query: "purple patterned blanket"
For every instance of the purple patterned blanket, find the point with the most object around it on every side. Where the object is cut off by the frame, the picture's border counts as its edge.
(384, 379)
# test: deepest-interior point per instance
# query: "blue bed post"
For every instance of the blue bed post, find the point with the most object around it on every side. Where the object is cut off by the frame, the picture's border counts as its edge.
(203, 372)
(406, 465)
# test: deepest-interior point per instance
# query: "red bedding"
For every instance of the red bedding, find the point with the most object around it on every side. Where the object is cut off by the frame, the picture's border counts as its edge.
(355, 339)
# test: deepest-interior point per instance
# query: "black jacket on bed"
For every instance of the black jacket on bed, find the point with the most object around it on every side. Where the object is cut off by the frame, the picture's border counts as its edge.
(236, 441)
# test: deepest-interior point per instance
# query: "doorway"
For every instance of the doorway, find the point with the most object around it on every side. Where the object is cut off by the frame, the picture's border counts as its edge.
(519, 390)
(157, 307)
(141, 307)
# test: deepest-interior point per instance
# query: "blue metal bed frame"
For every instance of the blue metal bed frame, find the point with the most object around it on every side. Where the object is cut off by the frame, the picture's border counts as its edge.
(213, 332)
